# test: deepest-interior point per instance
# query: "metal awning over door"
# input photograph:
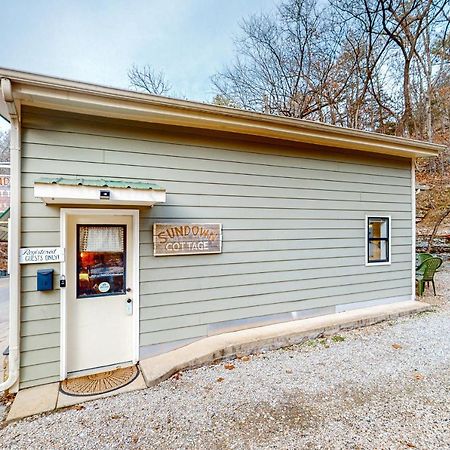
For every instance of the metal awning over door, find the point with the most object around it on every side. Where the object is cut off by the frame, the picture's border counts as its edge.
(98, 191)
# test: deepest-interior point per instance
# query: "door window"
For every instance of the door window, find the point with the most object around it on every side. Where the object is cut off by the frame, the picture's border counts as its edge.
(101, 260)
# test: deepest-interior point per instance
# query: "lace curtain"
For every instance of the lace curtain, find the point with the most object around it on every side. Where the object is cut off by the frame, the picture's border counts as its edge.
(102, 238)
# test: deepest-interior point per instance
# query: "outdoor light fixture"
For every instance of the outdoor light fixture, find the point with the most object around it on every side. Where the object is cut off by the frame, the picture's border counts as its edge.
(105, 195)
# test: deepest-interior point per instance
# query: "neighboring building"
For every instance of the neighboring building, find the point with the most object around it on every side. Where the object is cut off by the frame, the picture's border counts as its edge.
(4, 192)
(276, 218)
(4, 222)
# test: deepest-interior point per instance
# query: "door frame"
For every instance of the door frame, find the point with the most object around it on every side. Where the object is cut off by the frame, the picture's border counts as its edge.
(64, 215)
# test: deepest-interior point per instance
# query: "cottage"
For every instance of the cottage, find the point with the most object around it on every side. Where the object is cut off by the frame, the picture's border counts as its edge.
(141, 223)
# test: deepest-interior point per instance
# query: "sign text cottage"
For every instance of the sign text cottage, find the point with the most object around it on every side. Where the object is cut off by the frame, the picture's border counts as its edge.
(186, 238)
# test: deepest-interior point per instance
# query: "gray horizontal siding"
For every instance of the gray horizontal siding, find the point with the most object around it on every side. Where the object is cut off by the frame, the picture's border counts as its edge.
(293, 227)
(40, 342)
(307, 300)
(265, 277)
(39, 374)
(230, 259)
(185, 318)
(281, 265)
(280, 288)
(319, 295)
(272, 178)
(104, 138)
(324, 169)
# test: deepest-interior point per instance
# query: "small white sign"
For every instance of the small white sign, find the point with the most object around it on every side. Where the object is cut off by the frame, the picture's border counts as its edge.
(36, 255)
(104, 286)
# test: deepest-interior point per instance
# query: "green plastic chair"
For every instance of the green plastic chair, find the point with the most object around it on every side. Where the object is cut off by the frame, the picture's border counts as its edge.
(421, 257)
(425, 273)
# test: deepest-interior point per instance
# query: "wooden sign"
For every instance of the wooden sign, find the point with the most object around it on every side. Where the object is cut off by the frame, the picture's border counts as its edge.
(36, 255)
(186, 238)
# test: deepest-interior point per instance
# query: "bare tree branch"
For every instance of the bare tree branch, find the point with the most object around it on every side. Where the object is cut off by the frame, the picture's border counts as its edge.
(146, 79)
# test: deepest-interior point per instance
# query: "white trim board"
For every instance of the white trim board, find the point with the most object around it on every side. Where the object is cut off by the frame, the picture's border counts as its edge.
(64, 214)
(413, 230)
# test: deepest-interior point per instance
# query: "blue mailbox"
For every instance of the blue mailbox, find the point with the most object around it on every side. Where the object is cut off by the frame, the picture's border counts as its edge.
(45, 280)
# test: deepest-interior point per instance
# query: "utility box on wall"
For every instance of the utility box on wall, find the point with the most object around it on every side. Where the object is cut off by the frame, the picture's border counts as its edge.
(45, 280)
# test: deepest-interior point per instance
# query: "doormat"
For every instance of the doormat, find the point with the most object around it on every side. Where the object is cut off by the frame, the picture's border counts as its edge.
(99, 383)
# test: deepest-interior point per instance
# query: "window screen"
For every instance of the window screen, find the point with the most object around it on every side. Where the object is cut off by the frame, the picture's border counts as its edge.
(378, 239)
(101, 260)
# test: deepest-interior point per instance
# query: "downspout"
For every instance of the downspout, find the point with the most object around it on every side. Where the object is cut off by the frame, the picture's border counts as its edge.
(413, 225)
(13, 239)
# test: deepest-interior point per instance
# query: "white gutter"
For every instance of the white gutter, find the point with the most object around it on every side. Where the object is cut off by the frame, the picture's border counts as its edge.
(13, 239)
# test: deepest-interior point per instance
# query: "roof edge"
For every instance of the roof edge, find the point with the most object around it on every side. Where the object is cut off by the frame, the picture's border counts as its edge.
(86, 98)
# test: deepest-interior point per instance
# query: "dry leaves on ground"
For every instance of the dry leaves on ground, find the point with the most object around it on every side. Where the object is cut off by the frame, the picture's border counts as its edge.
(77, 407)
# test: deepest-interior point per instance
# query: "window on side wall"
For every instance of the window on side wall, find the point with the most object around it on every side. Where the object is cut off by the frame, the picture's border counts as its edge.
(378, 245)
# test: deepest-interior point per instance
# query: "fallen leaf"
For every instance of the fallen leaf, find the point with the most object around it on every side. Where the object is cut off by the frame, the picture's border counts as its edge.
(396, 346)
(408, 444)
(77, 407)
(245, 358)
(177, 376)
(229, 366)
(220, 379)
(115, 416)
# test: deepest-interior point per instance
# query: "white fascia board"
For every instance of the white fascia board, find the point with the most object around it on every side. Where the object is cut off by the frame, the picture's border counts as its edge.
(90, 195)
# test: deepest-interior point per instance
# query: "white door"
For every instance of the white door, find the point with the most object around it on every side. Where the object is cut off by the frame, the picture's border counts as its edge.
(99, 292)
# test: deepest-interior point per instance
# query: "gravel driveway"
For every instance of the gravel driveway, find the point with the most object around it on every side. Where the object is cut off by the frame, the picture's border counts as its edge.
(382, 387)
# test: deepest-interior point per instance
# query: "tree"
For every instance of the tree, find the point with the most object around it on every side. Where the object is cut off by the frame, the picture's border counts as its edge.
(286, 64)
(365, 64)
(399, 35)
(407, 23)
(146, 79)
(4, 146)
(220, 100)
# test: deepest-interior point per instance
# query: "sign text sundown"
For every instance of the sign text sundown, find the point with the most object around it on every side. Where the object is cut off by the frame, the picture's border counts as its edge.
(186, 238)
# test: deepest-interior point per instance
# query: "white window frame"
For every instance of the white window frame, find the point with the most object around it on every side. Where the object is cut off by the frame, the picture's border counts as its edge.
(366, 240)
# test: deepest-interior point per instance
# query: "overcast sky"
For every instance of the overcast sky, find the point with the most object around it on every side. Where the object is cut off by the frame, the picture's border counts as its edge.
(98, 40)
